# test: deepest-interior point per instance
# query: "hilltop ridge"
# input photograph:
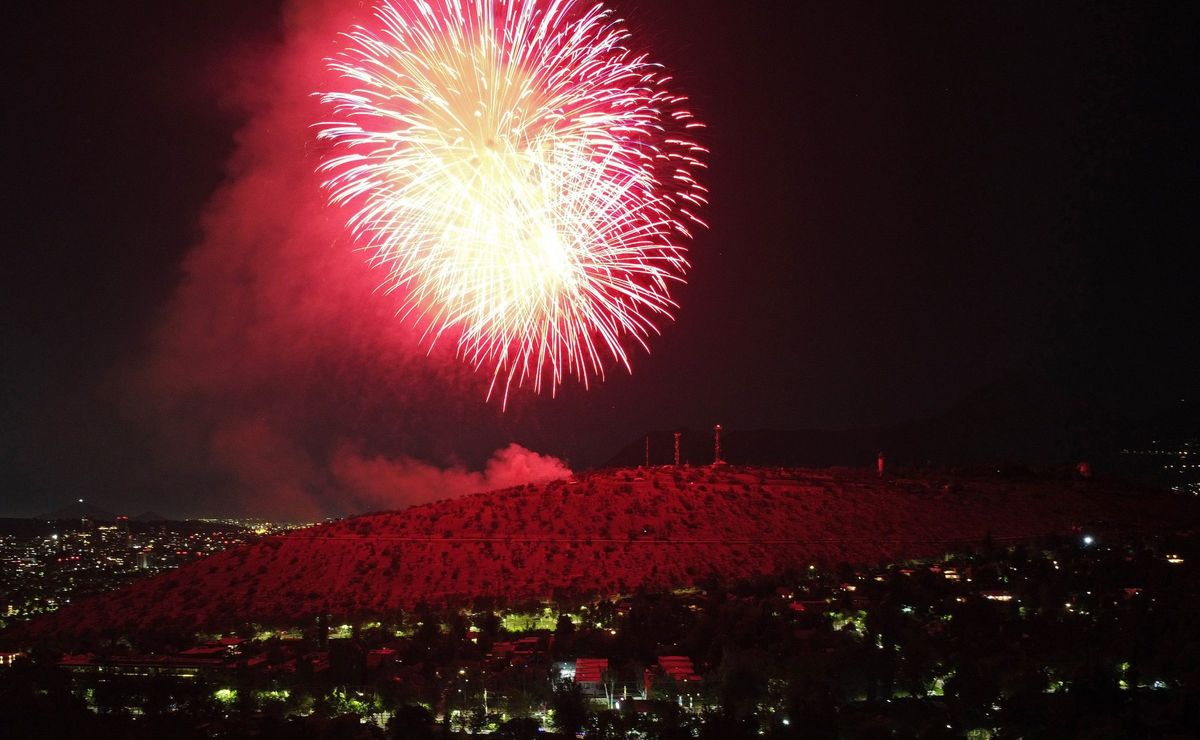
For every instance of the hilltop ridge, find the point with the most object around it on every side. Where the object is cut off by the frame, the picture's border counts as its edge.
(606, 533)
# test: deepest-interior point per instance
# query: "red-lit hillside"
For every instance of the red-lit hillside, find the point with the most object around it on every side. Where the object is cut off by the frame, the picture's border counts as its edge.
(608, 533)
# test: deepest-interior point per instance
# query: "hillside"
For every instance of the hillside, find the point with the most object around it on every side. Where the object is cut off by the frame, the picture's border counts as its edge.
(78, 510)
(607, 532)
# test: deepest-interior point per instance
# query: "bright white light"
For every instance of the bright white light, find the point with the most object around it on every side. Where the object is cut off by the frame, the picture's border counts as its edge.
(1088, 539)
(521, 173)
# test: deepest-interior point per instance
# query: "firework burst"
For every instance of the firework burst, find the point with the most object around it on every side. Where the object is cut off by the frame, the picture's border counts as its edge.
(524, 177)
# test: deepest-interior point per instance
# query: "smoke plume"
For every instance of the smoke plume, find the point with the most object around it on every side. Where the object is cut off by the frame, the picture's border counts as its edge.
(378, 482)
(278, 355)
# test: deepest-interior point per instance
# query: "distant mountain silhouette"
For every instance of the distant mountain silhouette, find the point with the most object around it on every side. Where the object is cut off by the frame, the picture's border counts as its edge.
(1015, 420)
(150, 516)
(79, 510)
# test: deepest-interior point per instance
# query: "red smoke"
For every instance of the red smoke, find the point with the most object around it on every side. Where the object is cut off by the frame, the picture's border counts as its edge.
(277, 352)
(380, 483)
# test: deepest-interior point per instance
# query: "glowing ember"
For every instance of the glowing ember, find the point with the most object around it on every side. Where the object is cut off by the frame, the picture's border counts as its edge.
(523, 176)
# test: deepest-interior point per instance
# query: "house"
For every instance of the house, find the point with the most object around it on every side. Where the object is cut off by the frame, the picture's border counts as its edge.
(206, 651)
(671, 668)
(527, 646)
(7, 659)
(678, 667)
(816, 606)
(380, 657)
(590, 674)
(996, 595)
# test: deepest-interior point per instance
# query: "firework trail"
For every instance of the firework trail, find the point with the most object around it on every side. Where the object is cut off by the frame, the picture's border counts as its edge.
(524, 177)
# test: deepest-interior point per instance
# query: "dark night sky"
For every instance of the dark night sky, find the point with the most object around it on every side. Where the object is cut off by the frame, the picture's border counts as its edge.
(909, 200)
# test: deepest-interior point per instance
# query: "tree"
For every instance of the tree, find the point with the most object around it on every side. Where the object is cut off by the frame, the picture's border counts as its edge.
(741, 683)
(724, 726)
(411, 722)
(36, 702)
(607, 725)
(521, 728)
(569, 709)
(347, 662)
(564, 627)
